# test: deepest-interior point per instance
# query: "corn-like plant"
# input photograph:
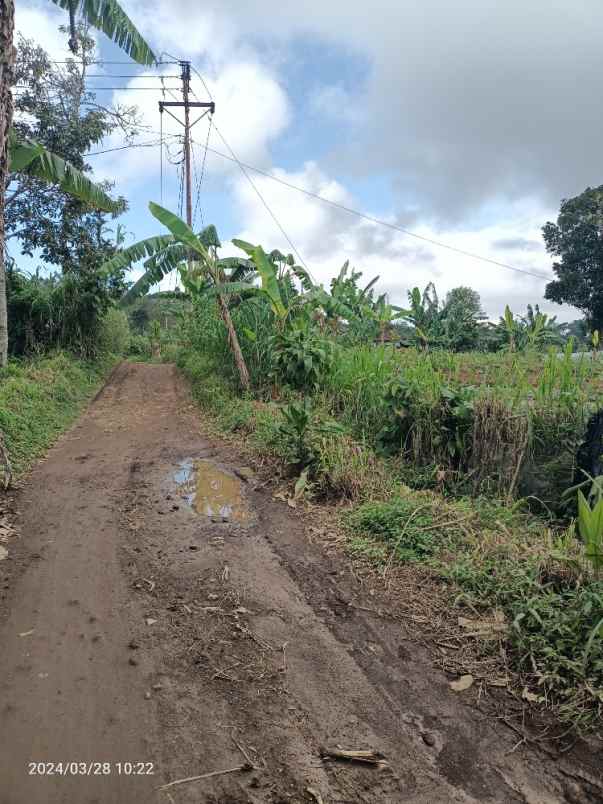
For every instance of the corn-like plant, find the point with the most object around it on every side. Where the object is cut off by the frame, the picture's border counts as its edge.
(590, 526)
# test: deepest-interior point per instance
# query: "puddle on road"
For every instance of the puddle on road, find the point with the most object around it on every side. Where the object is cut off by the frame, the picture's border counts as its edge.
(211, 491)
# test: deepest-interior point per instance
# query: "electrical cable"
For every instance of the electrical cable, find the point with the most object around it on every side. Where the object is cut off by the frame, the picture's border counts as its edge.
(114, 89)
(181, 190)
(378, 221)
(130, 145)
(104, 61)
(200, 183)
(130, 75)
(252, 183)
(244, 167)
(265, 203)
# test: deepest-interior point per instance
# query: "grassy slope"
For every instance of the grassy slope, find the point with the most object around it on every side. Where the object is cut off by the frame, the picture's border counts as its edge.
(40, 398)
(495, 556)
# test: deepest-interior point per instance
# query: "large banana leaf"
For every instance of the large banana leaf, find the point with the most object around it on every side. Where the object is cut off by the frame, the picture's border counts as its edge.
(303, 276)
(142, 286)
(209, 236)
(267, 273)
(239, 267)
(179, 229)
(369, 286)
(110, 18)
(168, 258)
(34, 160)
(139, 251)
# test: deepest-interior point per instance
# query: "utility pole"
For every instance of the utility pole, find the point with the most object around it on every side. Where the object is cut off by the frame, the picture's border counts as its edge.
(186, 81)
(187, 105)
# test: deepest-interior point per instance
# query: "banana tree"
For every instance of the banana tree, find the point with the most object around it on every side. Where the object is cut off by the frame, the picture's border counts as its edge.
(109, 17)
(424, 315)
(195, 258)
(385, 315)
(34, 160)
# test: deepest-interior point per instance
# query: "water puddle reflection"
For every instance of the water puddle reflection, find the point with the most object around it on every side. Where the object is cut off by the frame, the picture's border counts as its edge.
(211, 491)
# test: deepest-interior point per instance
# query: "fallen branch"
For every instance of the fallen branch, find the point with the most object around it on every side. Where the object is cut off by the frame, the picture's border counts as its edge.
(366, 757)
(246, 767)
(244, 752)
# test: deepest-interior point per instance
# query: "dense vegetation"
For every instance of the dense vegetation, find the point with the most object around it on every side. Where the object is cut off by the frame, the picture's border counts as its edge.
(455, 441)
(462, 464)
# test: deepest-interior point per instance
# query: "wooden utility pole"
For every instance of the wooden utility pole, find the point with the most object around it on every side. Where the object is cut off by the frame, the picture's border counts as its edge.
(186, 81)
(187, 105)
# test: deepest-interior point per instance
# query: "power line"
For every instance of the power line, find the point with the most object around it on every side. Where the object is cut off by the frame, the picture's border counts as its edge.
(341, 207)
(252, 183)
(112, 89)
(198, 206)
(130, 145)
(265, 203)
(129, 75)
(378, 221)
(370, 218)
(103, 61)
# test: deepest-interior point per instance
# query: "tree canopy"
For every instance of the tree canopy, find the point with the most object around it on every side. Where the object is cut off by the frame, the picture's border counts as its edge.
(55, 110)
(576, 239)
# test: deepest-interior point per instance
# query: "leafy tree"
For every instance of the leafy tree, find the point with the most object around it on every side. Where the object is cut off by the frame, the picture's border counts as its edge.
(577, 241)
(201, 271)
(424, 315)
(60, 310)
(535, 330)
(578, 330)
(461, 317)
(56, 111)
(106, 15)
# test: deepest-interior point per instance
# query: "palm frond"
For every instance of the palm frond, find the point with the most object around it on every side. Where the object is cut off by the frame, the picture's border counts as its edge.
(179, 229)
(369, 286)
(142, 286)
(138, 251)
(267, 273)
(303, 276)
(33, 159)
(110, 18)
(239, 267)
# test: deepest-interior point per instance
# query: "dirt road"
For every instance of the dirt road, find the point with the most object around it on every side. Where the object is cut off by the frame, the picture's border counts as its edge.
(161, 643)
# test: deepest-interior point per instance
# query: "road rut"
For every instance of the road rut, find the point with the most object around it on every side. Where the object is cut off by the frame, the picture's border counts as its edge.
(144, 636)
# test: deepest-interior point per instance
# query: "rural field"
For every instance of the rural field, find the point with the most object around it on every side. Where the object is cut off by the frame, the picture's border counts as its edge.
(282, 531)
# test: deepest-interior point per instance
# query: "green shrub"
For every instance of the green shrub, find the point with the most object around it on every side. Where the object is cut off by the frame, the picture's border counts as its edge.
(114, 333)
(140, 347)
(406, 525)
(556, 627)
(301, 356)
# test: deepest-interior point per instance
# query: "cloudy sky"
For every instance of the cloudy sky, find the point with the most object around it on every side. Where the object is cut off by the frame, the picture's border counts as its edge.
(462, 122)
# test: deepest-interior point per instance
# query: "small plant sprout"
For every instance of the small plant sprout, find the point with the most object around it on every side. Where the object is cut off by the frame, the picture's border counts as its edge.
(590, 527)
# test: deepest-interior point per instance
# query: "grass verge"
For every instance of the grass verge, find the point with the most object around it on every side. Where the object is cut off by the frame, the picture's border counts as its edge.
(530, 585)
(40, 398)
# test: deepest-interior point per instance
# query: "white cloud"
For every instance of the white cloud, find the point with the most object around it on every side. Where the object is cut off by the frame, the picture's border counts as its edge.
(41, 23)
(252, 110)
(325, 237)
(480, 114)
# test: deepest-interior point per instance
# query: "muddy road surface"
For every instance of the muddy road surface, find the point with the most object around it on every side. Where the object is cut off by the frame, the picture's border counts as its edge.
(163, 617)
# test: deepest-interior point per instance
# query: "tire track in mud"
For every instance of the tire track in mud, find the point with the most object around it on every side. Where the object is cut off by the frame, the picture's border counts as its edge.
(220, 644)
